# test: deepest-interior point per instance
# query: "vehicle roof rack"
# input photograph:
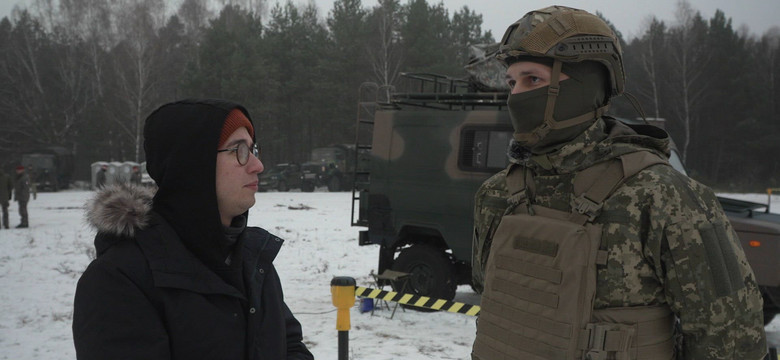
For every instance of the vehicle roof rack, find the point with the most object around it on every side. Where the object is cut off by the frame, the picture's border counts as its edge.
(444, 93)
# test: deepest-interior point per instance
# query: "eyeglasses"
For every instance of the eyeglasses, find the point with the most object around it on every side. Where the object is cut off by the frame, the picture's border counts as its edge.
(242, 152)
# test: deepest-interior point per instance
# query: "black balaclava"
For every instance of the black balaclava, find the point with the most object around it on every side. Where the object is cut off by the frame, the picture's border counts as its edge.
(584, 92)
(180, 140)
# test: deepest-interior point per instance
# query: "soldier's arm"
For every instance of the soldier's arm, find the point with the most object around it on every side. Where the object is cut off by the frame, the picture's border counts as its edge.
(707, 280)
(489, 206)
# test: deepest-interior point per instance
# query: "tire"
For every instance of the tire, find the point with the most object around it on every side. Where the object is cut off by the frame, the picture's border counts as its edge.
(334, 184)
(282, 186)
(433, 273)
(307, 187)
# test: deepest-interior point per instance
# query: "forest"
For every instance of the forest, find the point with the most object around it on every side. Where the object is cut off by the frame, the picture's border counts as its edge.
(84, 74)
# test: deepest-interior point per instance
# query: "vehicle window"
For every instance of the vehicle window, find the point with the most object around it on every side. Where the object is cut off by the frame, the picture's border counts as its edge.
(484, 149)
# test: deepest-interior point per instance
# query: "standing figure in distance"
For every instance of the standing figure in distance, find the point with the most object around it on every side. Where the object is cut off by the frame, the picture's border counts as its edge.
(22, 195)
(6, 191)
(601, 250)
(178, 273)
(100, 178)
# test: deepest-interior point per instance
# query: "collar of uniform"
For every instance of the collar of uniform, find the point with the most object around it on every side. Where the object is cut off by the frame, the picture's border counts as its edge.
(581, 152)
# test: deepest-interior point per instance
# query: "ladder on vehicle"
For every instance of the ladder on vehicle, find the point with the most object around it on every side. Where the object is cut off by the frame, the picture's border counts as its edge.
(370, 96)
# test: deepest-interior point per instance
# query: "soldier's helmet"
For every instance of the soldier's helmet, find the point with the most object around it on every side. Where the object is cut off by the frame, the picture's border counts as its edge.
(566, 34)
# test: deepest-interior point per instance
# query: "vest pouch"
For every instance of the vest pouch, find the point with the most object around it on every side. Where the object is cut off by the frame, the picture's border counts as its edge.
(541, 286)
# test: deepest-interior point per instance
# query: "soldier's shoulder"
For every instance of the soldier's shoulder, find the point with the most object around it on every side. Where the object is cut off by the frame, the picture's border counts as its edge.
(497, 182)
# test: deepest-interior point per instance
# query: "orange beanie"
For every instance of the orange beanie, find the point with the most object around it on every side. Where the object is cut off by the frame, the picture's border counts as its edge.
(234, 120)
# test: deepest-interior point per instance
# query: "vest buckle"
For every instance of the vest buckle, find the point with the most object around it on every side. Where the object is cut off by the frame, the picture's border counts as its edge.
(596, 355)
(583, 205)
(597, 336)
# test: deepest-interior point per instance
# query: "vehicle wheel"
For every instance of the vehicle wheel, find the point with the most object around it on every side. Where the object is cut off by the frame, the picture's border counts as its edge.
(334, 184)
(307, 187)
(282, 186)
(432, 272)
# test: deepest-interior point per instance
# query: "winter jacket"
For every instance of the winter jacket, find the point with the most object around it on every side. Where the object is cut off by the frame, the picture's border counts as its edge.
(6, 188)
(22, 188)
(146, 296)
(170, 281)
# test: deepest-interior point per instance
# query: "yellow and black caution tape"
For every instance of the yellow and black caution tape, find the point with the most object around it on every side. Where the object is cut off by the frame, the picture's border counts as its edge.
(418, 301)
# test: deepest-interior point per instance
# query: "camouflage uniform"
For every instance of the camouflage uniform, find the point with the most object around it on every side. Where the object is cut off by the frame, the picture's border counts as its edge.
(6, 189)
(667, 238)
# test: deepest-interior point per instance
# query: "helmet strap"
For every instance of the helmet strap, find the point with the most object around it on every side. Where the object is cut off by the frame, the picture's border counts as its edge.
(549, 123)
(552, 94)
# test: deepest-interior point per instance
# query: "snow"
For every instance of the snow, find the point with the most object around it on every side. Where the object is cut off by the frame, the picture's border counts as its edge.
(39, 268)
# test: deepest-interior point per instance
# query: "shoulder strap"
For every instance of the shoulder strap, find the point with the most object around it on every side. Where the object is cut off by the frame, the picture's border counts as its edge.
(595, 184)
(516, 184)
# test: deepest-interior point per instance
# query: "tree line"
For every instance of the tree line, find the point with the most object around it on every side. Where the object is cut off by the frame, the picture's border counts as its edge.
(84, 74)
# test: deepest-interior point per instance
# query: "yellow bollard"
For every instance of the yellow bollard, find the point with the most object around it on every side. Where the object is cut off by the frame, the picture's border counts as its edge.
(342, 291)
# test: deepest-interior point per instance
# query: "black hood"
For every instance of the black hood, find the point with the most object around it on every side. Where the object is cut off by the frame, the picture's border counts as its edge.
(180, 141)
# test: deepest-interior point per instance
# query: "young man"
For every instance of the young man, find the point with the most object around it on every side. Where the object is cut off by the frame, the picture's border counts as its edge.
(179, 274)
(22, 195)
(601, 250)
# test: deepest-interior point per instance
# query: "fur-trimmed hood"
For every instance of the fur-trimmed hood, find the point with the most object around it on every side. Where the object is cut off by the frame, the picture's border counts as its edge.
(120, 209)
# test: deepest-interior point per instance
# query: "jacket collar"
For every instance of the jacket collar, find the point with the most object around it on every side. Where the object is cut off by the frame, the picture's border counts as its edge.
(607, 138)
(174, 266)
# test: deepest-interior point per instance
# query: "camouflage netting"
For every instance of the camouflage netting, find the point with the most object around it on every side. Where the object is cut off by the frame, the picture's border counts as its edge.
(486, 73)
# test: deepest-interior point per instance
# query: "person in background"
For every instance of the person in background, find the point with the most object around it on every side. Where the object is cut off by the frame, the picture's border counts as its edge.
(22, 195)
(6, 191)
(178, 273)
(135, 176)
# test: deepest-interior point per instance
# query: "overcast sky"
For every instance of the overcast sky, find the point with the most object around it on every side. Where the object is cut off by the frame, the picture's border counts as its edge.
(629, 16)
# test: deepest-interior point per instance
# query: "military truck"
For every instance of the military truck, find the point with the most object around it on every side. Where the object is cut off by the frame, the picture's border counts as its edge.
(330, 166)
(49, 168)
(281, 177)
(430, 151)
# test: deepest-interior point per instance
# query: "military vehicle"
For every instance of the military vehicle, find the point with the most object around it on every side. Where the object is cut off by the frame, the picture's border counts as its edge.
(330, 166)
(759, 232)
(430, 151)
(49, 168)
(281, 177)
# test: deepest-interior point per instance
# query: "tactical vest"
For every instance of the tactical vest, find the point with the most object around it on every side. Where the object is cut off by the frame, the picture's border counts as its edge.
(541, 279)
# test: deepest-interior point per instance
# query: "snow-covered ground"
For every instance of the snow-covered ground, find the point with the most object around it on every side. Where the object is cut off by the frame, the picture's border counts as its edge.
(39, 268)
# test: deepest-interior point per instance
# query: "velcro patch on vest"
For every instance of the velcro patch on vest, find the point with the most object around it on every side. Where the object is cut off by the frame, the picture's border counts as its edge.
(536, 246)
(534, 270)
(525, 293)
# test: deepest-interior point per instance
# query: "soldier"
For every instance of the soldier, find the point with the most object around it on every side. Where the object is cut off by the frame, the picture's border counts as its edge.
(6, 189)
(22, 194)
(598, 249)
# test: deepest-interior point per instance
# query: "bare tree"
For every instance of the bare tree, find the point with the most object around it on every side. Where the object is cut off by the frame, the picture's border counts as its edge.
(137, 62)
(654, 40)
(384, 51)
(257, 7)
(688, 63)
(195, 15)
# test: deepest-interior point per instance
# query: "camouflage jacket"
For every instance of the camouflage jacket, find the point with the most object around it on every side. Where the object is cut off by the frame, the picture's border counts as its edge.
(668, 239)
